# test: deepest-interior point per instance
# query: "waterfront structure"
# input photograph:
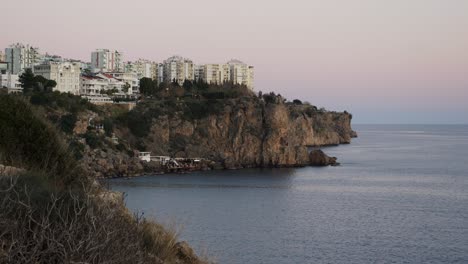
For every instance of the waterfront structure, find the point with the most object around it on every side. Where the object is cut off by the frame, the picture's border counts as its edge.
(21, 57)
(241, 73)
(179, 69)
(106, 60)
(66, 74)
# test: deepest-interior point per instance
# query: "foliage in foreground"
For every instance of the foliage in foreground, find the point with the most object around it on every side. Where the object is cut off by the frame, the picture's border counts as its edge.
(53, 213)
(39, 225)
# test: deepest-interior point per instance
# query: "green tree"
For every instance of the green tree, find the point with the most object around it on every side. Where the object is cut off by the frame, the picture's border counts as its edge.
(126, 87)
(187, 85)
(67, 123)
(27, 80)
(43, 85)
(148, 86)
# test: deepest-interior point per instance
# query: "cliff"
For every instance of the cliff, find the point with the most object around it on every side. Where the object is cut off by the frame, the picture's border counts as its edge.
(243, 132)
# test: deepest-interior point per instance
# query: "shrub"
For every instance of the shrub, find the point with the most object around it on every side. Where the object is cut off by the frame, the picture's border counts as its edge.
(297, 102)
(92, 139)
(108, 126)
(28, 141)
(67, 123)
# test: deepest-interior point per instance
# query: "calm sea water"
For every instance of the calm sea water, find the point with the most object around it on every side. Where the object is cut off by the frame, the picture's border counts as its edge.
(400, 196)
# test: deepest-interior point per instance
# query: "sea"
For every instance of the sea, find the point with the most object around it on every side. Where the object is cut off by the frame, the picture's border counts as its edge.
(400, 195)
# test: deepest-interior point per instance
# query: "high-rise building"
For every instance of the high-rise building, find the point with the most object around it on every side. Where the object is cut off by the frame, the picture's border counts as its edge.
(198, 72)
(21, 57)
(144, 68)
(107, 61)
(66, 74)
(2, 56)
(216, 73)
(178, 69)
(241, 73)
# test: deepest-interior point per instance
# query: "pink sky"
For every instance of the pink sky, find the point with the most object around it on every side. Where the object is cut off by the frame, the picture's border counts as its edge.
(398, 61)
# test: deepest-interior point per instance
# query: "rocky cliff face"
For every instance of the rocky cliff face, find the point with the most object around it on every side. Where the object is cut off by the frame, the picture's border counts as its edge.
(247, 132)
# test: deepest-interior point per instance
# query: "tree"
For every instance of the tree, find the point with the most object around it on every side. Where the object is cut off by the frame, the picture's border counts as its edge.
(27, 80)
(297, 102)
(126, 87)
(147, 86)
(43, 85)
(187, 85)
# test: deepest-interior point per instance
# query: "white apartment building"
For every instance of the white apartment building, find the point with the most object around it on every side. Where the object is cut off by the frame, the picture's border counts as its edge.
(241, 73)
(20, 57)
(198, 72)
(93, 85)
(178, 69)
(160, 69)
(66, 74)
(129, 78)
(107, 60)
(10, 81)
(216, 73)
(2, 56)
(143, 68)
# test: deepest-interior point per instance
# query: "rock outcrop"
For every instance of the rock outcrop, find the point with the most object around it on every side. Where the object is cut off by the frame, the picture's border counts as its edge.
(247, 132)
(319, 158)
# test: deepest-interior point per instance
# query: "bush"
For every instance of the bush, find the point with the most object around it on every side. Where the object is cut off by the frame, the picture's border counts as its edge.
(67, 123)
(92, 139)
(108, 126)
(28, 141)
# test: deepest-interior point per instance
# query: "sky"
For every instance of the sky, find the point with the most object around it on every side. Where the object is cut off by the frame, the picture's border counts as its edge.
(398, 61)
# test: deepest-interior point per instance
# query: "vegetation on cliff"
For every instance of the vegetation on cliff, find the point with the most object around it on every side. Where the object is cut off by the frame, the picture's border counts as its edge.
(227, 124)
(51, 211)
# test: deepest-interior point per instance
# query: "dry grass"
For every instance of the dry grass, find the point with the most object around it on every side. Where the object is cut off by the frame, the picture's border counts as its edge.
(42, 226)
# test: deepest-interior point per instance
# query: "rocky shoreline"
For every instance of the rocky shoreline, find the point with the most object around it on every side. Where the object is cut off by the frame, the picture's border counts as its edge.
(243, 132)
(116, 165)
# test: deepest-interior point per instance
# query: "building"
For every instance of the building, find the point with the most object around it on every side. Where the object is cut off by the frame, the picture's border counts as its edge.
(2, 56)
(241, 73)
(3, 67)
(66, 74)
(198, 72)
(143, 69)
(20, 57)
(49, 57)
(216, 73)
(177, 69)
(127, 78)
(11, 82)
(160, 69)
(95, 85)
(107, 61)
(98, 99)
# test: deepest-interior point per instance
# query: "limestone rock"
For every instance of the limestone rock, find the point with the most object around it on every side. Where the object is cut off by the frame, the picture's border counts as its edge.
(319, 158)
